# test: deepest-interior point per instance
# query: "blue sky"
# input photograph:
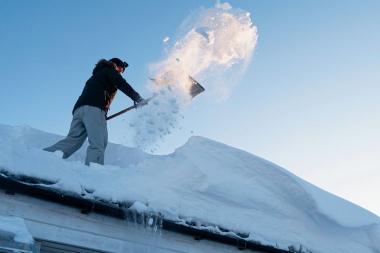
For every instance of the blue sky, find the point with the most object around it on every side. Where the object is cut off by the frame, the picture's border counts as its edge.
(309, 101)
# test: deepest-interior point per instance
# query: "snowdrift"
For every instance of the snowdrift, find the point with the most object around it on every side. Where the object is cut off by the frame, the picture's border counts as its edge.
(207, 182)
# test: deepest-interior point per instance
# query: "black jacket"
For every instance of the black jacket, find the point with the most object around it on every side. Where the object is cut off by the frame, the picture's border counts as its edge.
(101, 88)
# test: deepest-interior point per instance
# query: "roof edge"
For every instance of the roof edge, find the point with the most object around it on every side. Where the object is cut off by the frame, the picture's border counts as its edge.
(33, 187)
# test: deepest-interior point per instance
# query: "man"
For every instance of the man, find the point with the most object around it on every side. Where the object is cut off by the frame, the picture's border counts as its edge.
(89, 113)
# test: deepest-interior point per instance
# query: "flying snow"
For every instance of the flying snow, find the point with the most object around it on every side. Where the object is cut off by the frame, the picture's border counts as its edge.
(166, 39)
(209, 43)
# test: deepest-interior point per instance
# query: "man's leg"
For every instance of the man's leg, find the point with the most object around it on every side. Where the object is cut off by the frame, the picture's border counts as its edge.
(95, 122)
(75, 138)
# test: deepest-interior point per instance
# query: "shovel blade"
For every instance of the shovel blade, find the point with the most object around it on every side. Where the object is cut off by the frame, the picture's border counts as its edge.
(195, 88)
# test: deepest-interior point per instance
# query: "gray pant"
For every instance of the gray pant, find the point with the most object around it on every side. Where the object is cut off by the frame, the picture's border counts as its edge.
(87, 121)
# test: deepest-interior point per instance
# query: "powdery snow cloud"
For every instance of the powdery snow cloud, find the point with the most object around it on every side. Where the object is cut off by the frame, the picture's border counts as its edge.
(210, 42)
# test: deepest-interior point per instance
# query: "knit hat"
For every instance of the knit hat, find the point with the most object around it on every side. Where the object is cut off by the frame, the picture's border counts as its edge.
(119, 62)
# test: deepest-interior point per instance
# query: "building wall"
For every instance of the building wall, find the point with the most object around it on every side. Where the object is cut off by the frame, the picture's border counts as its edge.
(54, 223)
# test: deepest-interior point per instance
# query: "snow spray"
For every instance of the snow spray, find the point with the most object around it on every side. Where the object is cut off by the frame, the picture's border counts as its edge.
(209, 44)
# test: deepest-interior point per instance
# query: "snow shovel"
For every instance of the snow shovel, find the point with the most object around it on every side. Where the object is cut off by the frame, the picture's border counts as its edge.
(195, 89)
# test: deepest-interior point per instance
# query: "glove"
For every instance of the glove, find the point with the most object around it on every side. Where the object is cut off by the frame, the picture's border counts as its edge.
(140, 102)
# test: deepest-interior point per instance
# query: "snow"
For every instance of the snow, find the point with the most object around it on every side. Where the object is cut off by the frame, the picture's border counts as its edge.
(206, 182)
(212, 42)
(139, 207)
(209, 39)
(224, 6)
(331, 205)
(16, 227)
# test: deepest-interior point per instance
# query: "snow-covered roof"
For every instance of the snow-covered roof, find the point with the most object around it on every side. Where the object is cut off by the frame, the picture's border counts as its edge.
(206, 182)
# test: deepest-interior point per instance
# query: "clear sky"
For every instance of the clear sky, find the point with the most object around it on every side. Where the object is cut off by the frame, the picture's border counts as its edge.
(309, 101)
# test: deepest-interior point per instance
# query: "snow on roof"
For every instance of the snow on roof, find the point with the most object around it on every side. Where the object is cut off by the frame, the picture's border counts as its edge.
(208, 182)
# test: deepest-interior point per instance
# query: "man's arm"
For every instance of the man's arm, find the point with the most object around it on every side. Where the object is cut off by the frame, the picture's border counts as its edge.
(119, 82)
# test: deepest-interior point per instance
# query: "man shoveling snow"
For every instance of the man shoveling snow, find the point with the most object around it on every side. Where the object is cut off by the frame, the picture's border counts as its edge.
(90, 110)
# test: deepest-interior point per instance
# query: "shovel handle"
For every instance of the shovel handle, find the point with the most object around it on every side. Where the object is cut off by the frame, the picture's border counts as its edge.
(128, 109)
(121, 112)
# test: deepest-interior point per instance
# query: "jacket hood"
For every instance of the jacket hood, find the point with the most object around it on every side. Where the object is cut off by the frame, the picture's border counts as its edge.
(103, 63)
